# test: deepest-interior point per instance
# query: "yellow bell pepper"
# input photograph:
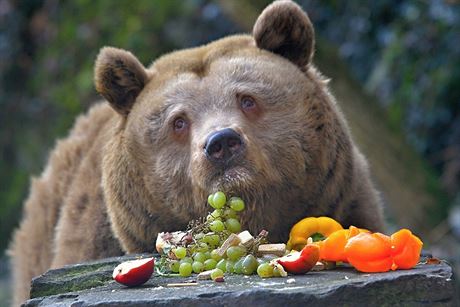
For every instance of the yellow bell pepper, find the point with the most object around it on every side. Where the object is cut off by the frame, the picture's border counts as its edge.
(308, 227)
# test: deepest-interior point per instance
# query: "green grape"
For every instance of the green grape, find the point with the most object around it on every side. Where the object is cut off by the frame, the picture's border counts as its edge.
(249, 265)
(216, 273)
(215, 255)
(229, 266)
(207, 255)
(205, 239)
(235, 252)
(202, 247)
(230, 213)
(222, 264)
(197, 267)
(215, 215)
(212, 239)
(233, 225)
(200, 257)
(174, 266)
(185, 269)
(219, 199)
(186, 260)
(210, 264)
(180, 252)
(276, 272)
(210, 202)
(260, 261)
(236, 204)
(238, 266)
(199, 236)
(216, 226)
(265, 270)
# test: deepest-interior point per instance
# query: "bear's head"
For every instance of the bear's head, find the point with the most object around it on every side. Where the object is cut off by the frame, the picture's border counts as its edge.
(248, 115)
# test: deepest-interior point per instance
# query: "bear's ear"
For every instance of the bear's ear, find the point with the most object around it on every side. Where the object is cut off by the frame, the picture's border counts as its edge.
(119, 77)
(285, 29)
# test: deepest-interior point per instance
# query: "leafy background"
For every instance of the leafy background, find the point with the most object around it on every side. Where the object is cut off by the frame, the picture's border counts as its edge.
(402, 56)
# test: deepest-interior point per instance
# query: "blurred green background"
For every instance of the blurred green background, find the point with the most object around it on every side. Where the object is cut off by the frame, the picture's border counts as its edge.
(395, 68)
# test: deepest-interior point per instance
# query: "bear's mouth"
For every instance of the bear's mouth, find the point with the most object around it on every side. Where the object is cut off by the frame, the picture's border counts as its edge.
(232, 178)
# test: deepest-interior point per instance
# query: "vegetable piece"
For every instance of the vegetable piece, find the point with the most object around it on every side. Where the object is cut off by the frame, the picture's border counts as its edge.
(369, 252)
(232, 240)
(278, 249)
(308, 227)
(405, 249)
(301, 262)
(333, 247)
(134, 272)
(246, 238)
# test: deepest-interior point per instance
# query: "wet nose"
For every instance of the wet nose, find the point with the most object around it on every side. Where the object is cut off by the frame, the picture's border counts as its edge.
(222, 145)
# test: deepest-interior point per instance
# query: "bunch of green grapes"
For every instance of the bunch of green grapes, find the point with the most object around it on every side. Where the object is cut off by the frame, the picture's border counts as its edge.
(202, 254)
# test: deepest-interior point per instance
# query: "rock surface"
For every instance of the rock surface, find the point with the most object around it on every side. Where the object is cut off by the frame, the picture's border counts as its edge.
(90, 284)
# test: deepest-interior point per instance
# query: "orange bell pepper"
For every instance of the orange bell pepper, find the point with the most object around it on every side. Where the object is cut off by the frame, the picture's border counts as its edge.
(369, 252)
(376, 252)
(308, 227)
(405, 249)
(333, 247)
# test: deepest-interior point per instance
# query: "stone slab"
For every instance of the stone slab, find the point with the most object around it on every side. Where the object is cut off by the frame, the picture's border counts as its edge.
(91, 285)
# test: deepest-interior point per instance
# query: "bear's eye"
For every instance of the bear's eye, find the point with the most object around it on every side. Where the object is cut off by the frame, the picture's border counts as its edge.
(247, 103)
(180, 125)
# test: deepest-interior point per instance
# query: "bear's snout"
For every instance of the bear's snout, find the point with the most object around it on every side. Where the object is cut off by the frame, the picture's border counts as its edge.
(223, 145)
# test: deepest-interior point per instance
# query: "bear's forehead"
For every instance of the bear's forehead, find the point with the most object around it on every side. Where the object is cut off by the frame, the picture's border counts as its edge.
(198, 60)
(230, 62)
(236, 55)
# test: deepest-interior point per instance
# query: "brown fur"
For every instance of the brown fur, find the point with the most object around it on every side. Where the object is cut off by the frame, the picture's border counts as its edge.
(121, 177)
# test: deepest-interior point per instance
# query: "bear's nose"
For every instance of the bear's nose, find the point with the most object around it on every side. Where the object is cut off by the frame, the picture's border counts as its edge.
(222, 145)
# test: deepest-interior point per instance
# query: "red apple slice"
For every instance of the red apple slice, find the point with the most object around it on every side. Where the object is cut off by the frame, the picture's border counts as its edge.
(301, 262)
(134, 272)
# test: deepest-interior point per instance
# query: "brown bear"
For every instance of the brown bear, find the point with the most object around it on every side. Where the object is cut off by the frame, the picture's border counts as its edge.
(248, 115)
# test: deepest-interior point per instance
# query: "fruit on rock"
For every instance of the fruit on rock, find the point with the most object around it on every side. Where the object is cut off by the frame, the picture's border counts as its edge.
(333, 247)
(369, 252)
(300, 262)
(315, 227)
(405, 249)
(134, 272)
(376, 252)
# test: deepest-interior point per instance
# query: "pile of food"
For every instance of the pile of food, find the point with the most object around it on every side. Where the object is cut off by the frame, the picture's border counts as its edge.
(216, 245)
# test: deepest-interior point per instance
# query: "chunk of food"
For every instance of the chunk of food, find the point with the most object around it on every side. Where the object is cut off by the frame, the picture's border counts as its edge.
(301, 262)
(167, 240)
(333, 247)
(405, 249)
(278, 249)
(134, 272)
(314, 227)
(369, 252)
